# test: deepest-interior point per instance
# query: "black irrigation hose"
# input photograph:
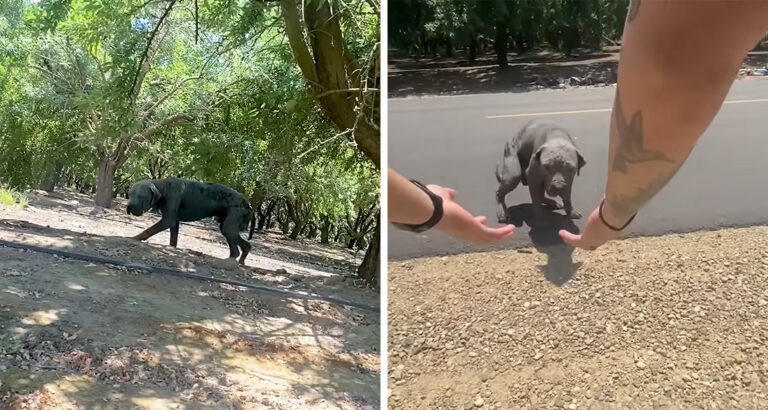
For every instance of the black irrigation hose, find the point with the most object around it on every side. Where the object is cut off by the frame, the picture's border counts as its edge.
(174, 272)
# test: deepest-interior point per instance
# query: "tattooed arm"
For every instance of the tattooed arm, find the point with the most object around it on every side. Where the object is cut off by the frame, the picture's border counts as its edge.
(678, 61)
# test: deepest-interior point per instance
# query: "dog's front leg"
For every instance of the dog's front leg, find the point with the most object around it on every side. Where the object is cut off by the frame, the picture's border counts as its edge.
(536, 188)
(153, 230)
(175, 234)
(568, 206)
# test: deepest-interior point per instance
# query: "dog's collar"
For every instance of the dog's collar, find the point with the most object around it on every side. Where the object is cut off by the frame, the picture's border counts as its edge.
(156, 192)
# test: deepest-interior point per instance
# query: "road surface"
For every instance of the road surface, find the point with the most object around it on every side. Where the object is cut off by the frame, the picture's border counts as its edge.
(456, 142)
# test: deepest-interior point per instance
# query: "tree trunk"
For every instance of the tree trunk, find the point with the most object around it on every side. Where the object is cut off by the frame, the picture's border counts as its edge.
(330, 66)
(472, 49)
(296, 230)
(52, 178)
(285, 226)
(500, 43)
(106, 182)
(448, 47)
(325, 231)
(370, 269)
(266, 216)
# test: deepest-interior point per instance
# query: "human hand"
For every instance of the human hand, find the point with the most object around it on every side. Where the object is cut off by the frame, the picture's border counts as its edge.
(595, 233)
(459, 223)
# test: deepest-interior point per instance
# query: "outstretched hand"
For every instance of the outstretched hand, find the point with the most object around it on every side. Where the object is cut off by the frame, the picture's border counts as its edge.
(595, 233)
(459, 223)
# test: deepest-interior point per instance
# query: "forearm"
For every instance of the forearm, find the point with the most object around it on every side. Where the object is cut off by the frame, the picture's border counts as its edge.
(677, 64)
(407, 203)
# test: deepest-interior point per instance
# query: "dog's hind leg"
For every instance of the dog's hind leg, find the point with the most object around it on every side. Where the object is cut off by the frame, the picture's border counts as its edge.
(509, 175)
(230, 228)
(246, 247)
(501, 193)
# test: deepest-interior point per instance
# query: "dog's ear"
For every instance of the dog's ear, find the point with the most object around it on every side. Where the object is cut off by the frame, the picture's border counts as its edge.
(537, 154)
(581, 160)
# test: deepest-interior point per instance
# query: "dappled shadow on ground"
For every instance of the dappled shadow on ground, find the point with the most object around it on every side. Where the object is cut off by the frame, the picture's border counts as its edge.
(410, 77)
(306, 256)
(560, 267)
(75, 334)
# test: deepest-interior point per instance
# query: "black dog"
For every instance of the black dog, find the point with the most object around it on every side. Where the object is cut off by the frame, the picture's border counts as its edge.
(544, 157)
(180, 200)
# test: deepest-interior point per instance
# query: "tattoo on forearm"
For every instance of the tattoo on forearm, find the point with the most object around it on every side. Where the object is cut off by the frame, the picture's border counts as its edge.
(634, 6)
(631, 149)
(624, 206)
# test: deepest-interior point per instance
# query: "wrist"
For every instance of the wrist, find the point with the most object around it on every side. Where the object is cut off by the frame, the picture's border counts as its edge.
(434, 210)
(613, 219)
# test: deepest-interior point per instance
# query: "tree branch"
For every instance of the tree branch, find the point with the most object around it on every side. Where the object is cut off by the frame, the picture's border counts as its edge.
(167, 121)
(166, 96)
(149, 45)
(295, 32)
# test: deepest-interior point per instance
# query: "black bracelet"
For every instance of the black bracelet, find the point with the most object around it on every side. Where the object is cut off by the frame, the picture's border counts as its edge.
(437, 213)
(611, 227)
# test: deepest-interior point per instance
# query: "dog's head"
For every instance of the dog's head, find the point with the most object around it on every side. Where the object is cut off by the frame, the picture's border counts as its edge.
(142, 197)
(560, 162)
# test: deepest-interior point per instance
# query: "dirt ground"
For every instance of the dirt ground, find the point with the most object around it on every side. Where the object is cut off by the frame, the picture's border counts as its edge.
(411, 77)
(78, 335)
(677, 321)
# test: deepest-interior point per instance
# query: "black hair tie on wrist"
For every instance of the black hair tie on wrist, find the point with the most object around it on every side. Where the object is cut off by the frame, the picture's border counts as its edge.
(611, 227)
(437, 213)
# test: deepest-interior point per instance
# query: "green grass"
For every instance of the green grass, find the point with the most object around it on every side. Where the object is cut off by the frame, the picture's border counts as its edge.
(11, 197)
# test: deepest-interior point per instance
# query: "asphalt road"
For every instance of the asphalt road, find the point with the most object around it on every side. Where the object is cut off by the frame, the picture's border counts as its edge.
(456, 142)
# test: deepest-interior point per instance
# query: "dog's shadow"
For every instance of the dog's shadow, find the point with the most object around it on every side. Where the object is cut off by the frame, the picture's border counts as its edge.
(560, 267)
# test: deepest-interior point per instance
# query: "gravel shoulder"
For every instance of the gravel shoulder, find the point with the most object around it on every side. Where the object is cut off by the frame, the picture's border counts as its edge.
(676, 321)
(77, 335)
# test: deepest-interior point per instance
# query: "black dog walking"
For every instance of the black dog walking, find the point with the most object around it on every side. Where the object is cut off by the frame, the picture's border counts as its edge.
(181, 200)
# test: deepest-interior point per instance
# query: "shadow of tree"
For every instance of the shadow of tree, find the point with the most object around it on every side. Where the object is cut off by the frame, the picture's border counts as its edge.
(454, 76)
(86, 328)
(560, 267)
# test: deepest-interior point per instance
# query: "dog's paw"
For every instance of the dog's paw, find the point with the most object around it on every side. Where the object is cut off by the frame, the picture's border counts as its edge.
(501, 217)
(552, 205)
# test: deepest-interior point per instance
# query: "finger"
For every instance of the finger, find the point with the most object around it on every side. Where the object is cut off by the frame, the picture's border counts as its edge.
(481, 219)
(569, 238)
(502, 232)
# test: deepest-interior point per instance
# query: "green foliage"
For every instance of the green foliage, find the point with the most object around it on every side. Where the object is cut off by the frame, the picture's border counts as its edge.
(421, 26)
(12, 197)
(73, 91)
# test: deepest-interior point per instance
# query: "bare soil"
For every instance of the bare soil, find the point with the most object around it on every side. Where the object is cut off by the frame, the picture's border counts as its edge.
(677, 321)
(78, 335)
(411, 77)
